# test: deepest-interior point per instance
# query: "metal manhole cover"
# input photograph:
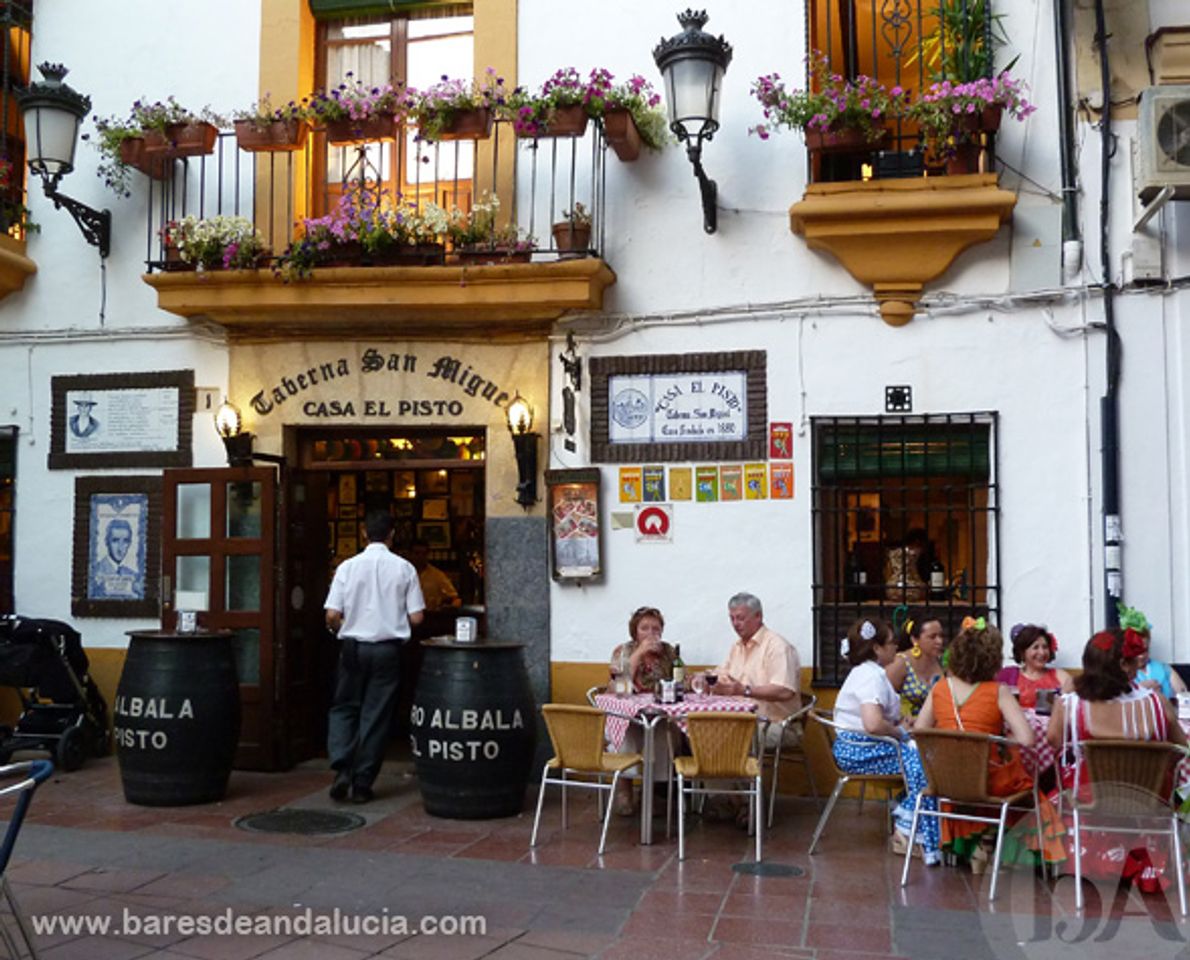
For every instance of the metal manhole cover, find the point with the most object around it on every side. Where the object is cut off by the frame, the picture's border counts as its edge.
(300, 821)
(767, 869)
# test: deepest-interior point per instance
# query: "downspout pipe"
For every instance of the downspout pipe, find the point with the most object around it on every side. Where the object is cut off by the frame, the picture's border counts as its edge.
(1109, 405)
(1062, 31)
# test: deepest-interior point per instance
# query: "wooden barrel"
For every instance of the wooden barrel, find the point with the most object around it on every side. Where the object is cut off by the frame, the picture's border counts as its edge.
(177, 717)
(473, 729)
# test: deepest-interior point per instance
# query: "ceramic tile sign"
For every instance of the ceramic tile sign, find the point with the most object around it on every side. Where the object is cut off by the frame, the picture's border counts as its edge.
(654, 523)
(781, 481)
(630, 484)
(668, 407)
(780, 441)
(755, 481)
(680, 487)
(706, 484)
(731, 482)
(654, 484)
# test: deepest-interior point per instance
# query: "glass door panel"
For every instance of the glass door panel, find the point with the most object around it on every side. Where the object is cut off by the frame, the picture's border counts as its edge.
(243, 509)
(242, 583)
(194, 511)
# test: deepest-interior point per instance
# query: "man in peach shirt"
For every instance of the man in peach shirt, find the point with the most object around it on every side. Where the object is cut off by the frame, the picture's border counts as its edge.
(763, 665)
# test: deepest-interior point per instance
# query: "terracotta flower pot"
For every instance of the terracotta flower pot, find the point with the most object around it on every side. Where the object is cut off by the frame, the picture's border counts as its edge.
(132, 152)
(182, 140)
(622, 136)
(571, 238)
(986, 120)
(407, 255)
(843, 140)
(173, 261)
(349, 254)
(345, 133)
(963, 159)
(475, 256)
(276, 137)
(475, 124)
(566, 122)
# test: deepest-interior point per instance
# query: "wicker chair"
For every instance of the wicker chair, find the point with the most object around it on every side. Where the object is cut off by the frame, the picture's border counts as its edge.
(956, 768)
(890, 781)
(721, 744)
(577, 736)
(1130, 783)
(796, 754)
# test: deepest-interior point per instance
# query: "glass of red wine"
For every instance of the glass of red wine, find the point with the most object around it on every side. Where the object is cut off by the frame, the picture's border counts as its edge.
(712, 679)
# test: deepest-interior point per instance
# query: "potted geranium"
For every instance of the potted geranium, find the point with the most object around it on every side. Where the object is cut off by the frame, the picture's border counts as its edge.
(357, 112)
(476, 238)
(121, 146)
(263, 128)
(953, 116)
(833, 113)
(170, 130)
(572, 235)
(632, 118)
(458, 109)
(561, 107)
(213, 243)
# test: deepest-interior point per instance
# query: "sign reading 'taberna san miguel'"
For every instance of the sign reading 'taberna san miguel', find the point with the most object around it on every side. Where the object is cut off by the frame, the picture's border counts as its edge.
(294, 385)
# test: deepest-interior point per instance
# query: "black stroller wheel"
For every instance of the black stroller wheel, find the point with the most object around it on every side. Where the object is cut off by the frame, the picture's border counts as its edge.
(72, 750)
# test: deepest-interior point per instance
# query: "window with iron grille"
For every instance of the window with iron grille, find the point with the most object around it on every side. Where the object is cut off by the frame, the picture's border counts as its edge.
(905, 521)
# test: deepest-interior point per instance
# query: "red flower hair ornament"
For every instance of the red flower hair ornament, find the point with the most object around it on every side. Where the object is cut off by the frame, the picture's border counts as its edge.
(1134, 644)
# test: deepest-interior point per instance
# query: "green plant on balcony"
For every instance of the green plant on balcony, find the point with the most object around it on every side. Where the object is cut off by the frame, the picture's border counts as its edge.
(637, 96)
(263, 114)
(536, 114)
(959, 111)
(439, 107)
(215, 243)
(358, 101)
(14, 215)
(477, 229)
(962, 46)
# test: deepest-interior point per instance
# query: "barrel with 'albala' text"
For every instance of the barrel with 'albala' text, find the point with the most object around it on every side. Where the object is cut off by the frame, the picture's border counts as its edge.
(472, 729)
(177, 717)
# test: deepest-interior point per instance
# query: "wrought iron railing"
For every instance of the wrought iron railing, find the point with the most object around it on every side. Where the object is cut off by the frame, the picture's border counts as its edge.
(536, 182)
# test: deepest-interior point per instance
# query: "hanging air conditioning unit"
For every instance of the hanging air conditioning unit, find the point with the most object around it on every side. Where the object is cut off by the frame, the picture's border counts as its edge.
(1163, 142)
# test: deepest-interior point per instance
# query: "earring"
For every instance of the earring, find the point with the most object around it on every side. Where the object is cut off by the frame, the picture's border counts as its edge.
(916, 651)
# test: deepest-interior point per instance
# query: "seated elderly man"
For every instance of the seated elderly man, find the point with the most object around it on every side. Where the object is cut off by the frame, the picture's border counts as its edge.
(763, 665)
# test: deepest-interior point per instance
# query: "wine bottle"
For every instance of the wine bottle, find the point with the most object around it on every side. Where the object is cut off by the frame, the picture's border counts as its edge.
(857, 577)
(679, 669)
(937, 580)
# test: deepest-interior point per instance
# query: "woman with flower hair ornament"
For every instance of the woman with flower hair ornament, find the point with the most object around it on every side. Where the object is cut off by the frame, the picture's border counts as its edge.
(1034, 648)
(1149, 673)
(868, 707)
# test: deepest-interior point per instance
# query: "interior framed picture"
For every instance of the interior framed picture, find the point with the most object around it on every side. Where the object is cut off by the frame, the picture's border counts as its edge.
(121, 420)
(435, 533)
(116, 568)
(433, 482)
(576, 534)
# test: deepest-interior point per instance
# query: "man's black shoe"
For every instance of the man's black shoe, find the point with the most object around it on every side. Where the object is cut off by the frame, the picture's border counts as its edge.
(341, 787)
(361, 794)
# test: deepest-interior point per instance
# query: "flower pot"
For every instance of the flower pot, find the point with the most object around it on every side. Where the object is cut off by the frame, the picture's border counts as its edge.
(173, 261)
(474, 124)
(407, 255)
(474, 256)
(986, 120)
(132, 152)
(349, 254)
(182, 140)
(571, 238)
(619, 129)
(964, 158)
(566, 122)
(843, 140)
(275, 137)
(345, 133)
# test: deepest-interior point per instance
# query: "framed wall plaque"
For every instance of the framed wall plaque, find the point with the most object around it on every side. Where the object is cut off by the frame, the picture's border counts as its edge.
(122, 420)
(116, 567)
(576, 533)
(682, 406)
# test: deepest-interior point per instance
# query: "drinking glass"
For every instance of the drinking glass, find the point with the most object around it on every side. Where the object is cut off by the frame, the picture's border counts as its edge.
(712, 679)
(699, 684)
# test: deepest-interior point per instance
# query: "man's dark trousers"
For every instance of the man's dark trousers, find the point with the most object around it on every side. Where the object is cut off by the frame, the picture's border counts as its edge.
(360, 719)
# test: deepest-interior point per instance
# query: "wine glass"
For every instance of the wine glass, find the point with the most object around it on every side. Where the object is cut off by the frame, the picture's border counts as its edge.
(712, 679)
(698, 684)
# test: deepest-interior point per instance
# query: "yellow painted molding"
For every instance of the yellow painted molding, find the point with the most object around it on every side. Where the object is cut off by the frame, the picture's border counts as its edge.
(485, 301)
(15, 267)
(897, 235)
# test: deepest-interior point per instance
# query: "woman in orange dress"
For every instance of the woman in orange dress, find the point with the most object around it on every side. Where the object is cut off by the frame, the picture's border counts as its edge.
(970, 699)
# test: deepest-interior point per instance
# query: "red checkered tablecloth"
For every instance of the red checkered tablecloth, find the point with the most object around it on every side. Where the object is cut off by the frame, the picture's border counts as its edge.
(619, 709)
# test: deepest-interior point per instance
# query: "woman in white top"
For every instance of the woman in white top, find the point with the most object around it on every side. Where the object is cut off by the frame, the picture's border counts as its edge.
(867, 706)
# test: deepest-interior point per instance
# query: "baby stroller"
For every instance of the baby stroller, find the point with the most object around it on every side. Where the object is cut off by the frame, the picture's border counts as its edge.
(62, 710)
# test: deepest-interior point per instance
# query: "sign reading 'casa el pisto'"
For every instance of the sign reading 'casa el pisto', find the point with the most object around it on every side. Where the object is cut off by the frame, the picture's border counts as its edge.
(293, 387)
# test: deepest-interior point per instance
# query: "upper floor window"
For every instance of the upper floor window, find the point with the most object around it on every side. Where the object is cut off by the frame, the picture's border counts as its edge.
(16, 22)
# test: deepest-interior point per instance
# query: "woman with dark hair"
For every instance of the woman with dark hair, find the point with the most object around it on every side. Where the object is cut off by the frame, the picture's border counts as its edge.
(971, 700)
(1033, 648)
(918, 663)
(867, 706)
(645, 660)
(1106, 704)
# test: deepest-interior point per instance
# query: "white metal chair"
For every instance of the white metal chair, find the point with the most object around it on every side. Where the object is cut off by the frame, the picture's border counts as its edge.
(721, 744)
(1129, 784)
(796, 752)
(890, 781)
(32, 774)
(577, 736)
(956, 768)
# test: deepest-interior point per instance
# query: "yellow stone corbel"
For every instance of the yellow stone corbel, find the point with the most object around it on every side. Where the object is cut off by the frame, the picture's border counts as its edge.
(895, 236)
(15, 267)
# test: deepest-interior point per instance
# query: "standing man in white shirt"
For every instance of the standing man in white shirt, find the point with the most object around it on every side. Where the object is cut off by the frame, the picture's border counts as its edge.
(373, 603)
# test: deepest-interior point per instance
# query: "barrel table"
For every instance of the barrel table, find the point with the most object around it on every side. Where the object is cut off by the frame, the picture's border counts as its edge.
(473, 726)
(177, 717)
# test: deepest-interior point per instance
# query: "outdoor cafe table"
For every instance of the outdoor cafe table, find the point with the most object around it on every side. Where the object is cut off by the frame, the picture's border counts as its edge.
(621, 711)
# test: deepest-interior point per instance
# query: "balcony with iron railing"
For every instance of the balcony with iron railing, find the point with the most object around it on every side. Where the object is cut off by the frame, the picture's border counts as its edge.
(16, 20)
(508, 253)
(899, 206)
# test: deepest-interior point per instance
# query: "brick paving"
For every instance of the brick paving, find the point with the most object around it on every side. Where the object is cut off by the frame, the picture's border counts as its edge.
(86, 853)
